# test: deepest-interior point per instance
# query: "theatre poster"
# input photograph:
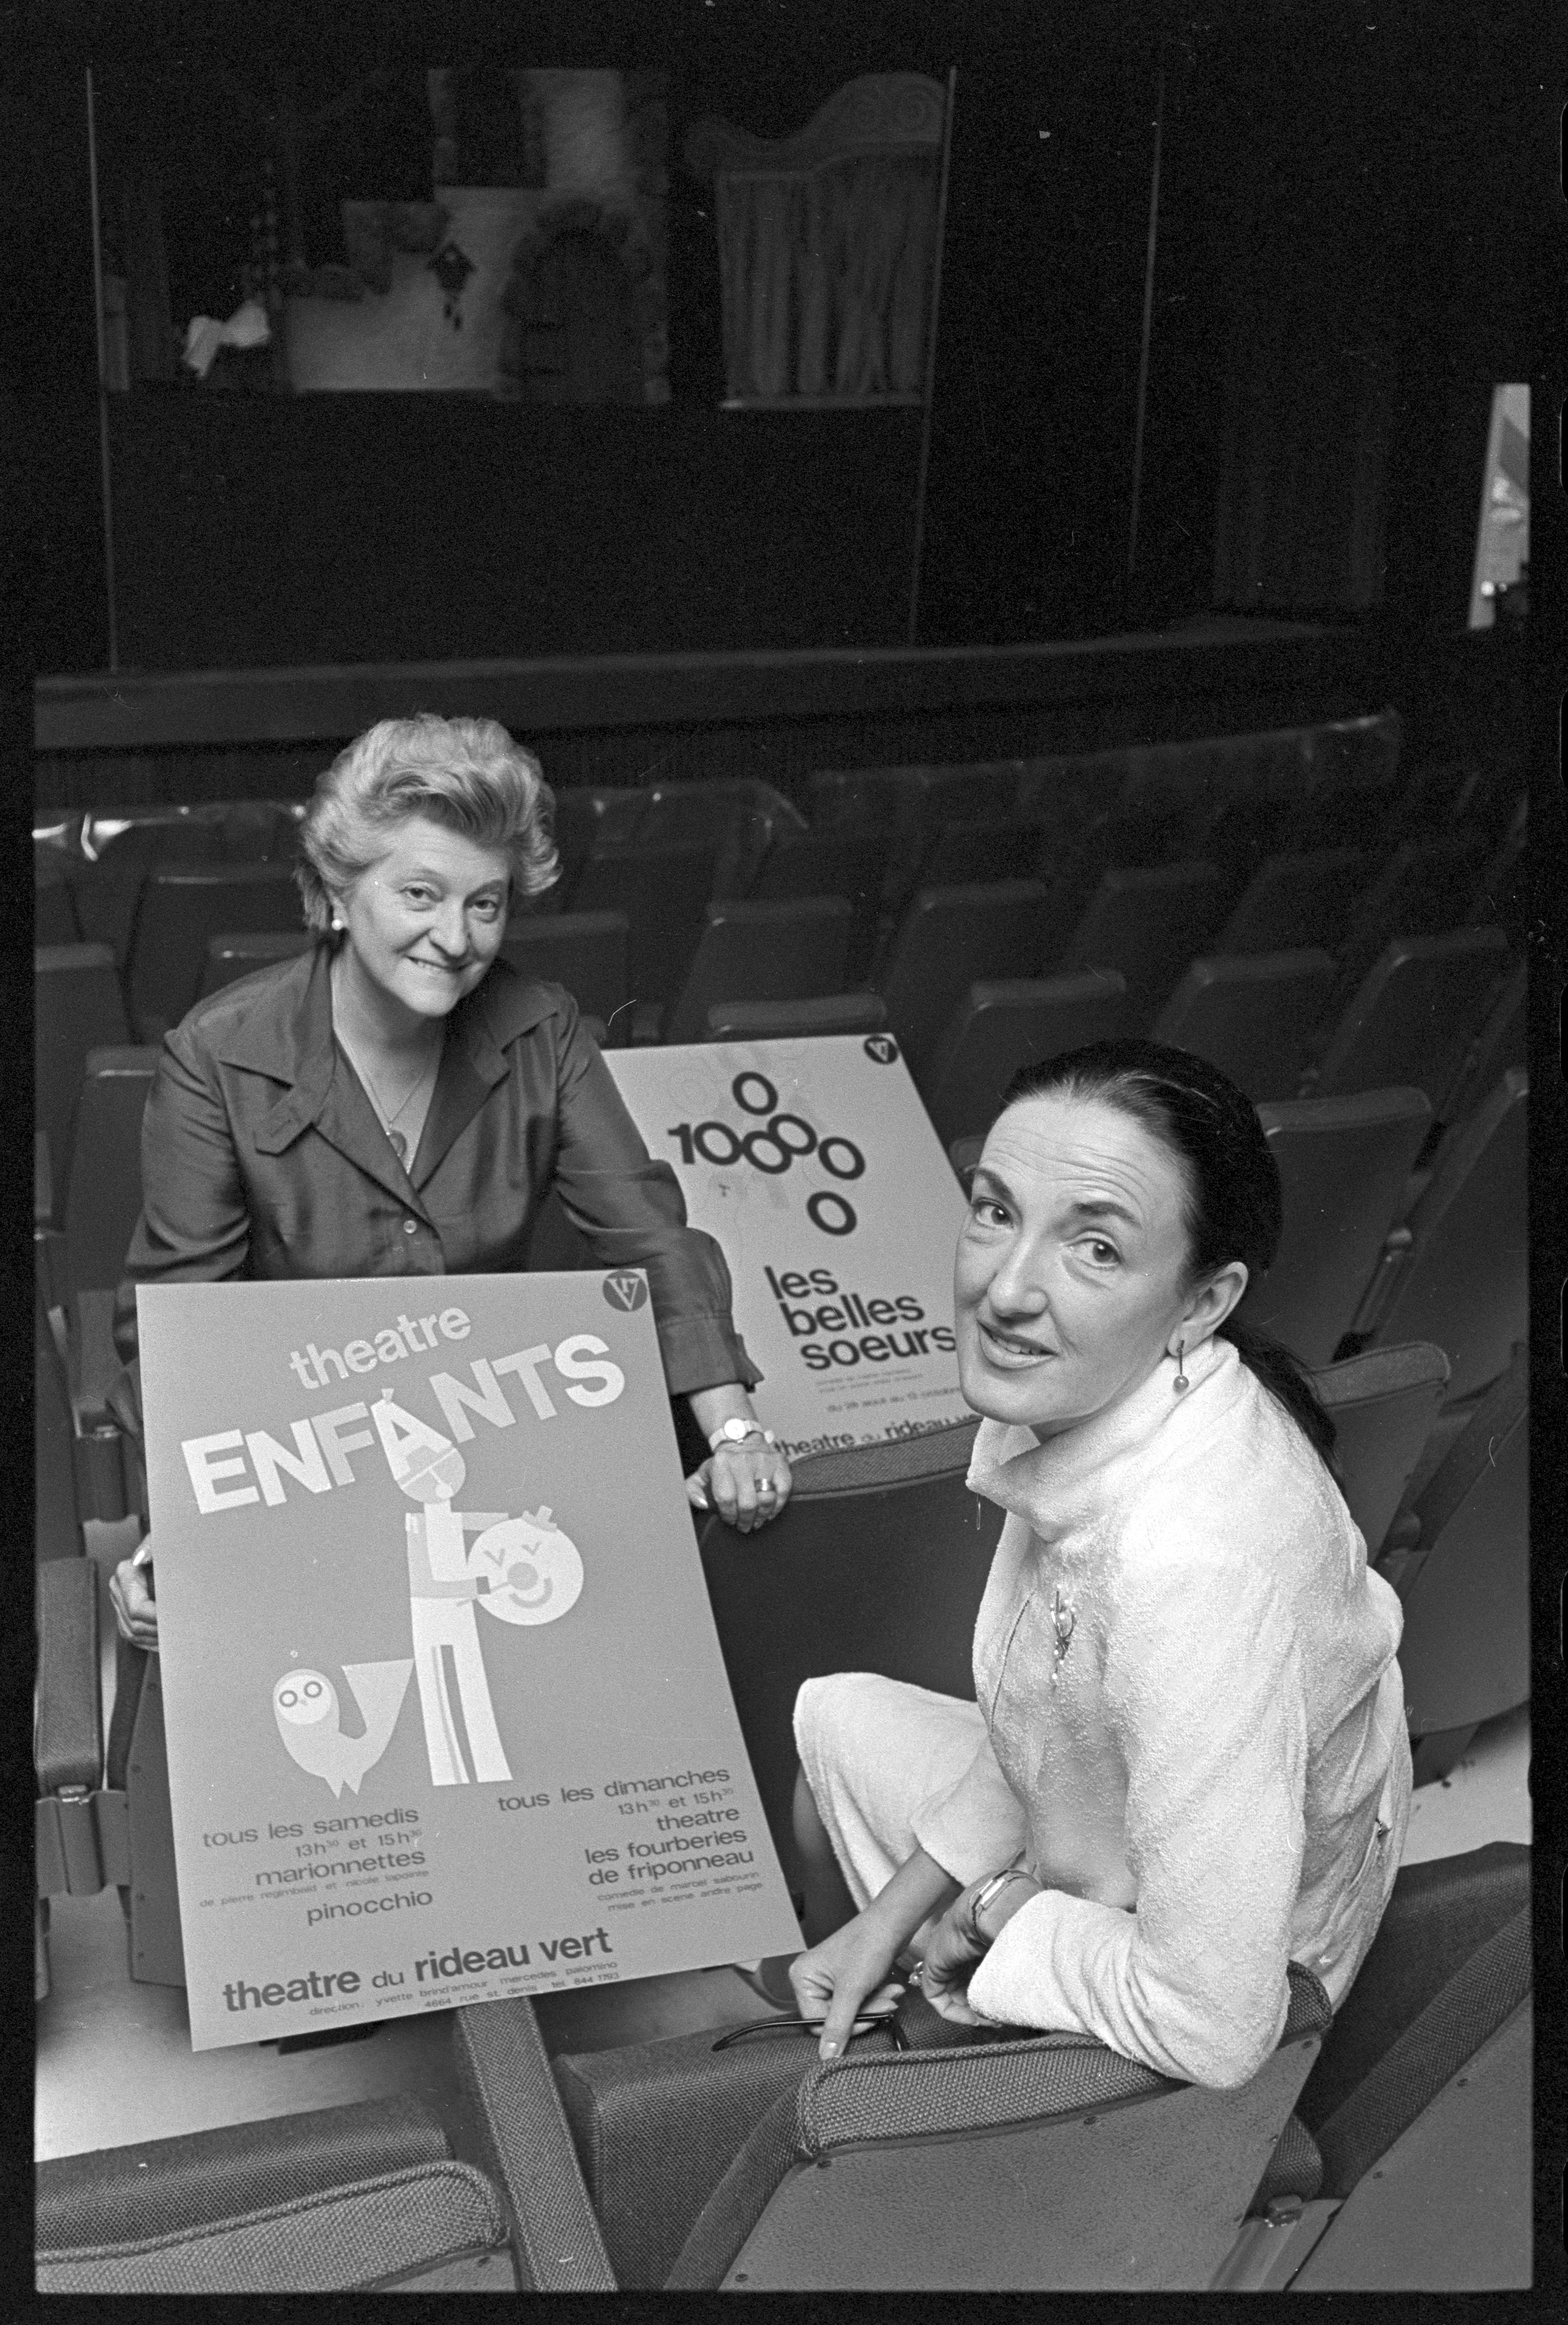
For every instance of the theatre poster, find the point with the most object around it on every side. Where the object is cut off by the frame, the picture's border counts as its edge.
(446, 1714)
(815, 1165)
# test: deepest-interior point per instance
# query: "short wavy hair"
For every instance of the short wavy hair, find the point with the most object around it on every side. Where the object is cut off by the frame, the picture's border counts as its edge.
(465, 774)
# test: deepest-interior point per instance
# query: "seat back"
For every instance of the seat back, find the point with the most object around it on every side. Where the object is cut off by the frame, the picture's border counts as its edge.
(878, 1564)
(1465, 1282)
(1500, 1040)
(1465, 1652)
(1412, 1017)
(1303, 899)
(1383, 1403)
(240, 953)
(947, 938)
(982, 847)
(54, 916)
(104, 1192)
(180, 910)
(56, 1515)
(790, 951)
(998, 2166)
(364, 2196)
(122, 847)
(1425, 886)
(77, 1006)
(584, 952)
(1004, 1023)
(663, 891)
(1252, 1016)
(1148, 925)
(1343, 1165)
(1450, 1962)
(787, 1021)
(136, 1764)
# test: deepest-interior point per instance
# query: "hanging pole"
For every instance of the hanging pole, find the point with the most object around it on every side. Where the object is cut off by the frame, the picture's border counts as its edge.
(924, 470)
(104, 471)
(1137, 460)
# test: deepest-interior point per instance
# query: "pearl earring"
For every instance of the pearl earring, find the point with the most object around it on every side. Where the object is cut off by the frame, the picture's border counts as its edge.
(1180, 1383)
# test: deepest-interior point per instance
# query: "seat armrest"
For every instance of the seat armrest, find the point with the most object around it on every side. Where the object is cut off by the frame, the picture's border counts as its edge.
(504, 2069)
(51, 1268)
(1374, 1304)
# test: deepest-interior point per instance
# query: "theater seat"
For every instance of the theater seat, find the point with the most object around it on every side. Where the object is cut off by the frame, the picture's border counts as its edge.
(1343, 1165)
(234, 955)
(1412, 1017)
(852, 864)
(1420, 2102)
(181, 909)
(1383, 1404)
(878, 1564)
(790, 950)
(947, 938)
(982, 847)
(1456, 1270)
(1463, 1574)
(80, 1265)
(1251, 1015)
(1040, 2162)
(363, 2198)
(584, 952)
(1148, 925)
(76, 1008)
(1425, 887)
(1295, 901)
(662, 890)
(1004, 1023)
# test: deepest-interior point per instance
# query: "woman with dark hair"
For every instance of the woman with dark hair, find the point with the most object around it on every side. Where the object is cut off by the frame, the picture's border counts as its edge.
(399, 1101)
(1188, 1764)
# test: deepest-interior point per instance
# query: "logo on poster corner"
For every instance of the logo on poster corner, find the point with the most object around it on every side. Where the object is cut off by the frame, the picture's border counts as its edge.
(626, 1290)
(881, 1049)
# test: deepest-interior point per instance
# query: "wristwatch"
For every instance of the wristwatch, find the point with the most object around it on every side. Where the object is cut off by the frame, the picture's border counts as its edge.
(991, 1889)
(734, 1431)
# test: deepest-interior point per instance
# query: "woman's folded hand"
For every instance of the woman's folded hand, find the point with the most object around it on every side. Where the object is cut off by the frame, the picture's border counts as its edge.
(131, 1596)
(747, 1484)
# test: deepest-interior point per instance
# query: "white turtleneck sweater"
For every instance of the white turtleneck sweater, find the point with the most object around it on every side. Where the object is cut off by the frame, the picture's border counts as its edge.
(1194, 1731)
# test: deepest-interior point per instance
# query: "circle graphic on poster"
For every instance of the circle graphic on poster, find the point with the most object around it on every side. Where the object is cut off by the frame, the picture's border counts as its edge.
(625, 1289)
(881, 1049)
(304, 1698)
(535, 1570)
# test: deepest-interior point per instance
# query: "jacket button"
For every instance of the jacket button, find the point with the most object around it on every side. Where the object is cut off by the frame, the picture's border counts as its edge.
(411, 1227)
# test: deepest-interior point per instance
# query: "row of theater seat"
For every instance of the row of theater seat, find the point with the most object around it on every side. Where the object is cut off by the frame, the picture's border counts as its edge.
(581, 2163)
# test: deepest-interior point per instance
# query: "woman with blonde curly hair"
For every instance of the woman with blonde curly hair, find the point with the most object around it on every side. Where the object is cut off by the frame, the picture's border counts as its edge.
(398, 1100)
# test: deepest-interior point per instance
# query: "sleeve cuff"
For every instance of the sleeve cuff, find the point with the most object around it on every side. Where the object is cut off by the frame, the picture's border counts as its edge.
(975, 1827)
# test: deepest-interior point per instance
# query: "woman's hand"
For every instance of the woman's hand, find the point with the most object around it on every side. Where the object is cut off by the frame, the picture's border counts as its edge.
(960, 1939)
(954, 1948)
(131, 1596)
(746, 1484)
(847, 1977)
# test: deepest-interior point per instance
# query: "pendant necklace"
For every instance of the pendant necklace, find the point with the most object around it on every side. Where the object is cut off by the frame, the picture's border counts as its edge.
(394, 1137)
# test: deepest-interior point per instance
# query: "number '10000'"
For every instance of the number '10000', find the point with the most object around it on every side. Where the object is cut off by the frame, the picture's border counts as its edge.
(779, 1140)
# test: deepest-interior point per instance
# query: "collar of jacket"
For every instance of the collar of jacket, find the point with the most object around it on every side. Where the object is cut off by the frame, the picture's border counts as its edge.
(289, 1040)
(1056, 1483)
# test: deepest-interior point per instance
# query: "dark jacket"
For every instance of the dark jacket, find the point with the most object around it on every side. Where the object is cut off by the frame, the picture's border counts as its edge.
(263, 1157)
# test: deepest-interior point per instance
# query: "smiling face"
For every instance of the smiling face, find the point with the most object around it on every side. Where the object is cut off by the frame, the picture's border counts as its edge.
(425, 922)
(1071, 1279)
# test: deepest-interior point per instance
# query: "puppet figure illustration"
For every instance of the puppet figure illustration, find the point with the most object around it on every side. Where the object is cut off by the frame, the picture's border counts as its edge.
(533, 1571)
(306, 1708)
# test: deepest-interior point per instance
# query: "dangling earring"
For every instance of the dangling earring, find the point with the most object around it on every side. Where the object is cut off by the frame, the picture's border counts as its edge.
(1180, 1383)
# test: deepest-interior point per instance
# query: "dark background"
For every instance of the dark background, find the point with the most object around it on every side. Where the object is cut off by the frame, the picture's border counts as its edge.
(1343, 231)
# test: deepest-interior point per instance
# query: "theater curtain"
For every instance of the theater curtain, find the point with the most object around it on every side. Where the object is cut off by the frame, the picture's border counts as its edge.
(826, 278)
(1299, 524)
